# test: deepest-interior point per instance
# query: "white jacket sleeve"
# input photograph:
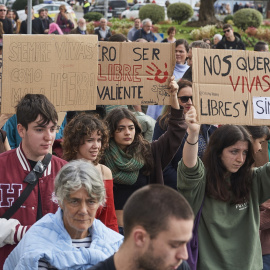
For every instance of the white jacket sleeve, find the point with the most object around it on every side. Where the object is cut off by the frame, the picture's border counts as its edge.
(7, 231)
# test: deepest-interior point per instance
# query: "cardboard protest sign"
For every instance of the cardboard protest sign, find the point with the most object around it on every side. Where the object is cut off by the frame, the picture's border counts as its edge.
(134, 73)
(64, 68)
(231, 87)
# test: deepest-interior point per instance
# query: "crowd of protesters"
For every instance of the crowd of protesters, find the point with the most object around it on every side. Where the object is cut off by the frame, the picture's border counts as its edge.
(90, 200)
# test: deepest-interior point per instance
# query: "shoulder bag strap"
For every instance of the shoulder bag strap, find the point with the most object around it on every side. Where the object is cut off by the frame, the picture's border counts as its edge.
(32, 180)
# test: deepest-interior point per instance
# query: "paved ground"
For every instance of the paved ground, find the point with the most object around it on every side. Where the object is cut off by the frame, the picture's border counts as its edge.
(78, 11)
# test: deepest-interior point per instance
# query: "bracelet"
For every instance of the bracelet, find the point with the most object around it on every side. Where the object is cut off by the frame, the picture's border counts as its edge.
(191, 143)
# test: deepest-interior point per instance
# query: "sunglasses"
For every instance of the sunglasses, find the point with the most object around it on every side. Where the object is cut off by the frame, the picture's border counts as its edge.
(225, 31)
(185, 99)
(3, 10)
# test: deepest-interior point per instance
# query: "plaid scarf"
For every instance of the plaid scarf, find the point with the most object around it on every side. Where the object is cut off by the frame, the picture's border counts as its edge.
(124, 167)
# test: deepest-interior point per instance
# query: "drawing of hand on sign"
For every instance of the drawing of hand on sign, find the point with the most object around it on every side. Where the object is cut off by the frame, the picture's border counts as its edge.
(161, 90)
(160, 76)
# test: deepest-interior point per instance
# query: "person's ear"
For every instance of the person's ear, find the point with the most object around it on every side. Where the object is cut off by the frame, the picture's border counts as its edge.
(140, 236)
(21, 130)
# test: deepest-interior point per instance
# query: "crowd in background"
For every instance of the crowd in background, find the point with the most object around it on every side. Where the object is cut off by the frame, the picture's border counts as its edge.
(227, 9)
(128, 148)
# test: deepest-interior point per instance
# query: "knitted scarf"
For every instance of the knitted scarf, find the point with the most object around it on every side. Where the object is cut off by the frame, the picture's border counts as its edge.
(125, 168)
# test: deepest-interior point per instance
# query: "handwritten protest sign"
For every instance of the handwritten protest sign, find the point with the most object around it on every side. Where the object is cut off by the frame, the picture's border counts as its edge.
(230, 87)
(134, 73)
(64, 68)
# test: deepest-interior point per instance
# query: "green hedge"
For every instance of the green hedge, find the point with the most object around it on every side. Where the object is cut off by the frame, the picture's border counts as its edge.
(228, 18)
(152, 11)
(179, 12)
(247, 17)
(93, 16)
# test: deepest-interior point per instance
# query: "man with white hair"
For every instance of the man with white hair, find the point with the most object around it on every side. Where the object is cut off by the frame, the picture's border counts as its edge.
(145, 32)
(103, 31)
(216, 39)
(7, 24)
(81, 28)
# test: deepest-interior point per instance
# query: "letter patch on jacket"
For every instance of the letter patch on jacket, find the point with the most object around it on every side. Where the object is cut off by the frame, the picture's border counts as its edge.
(9, 193)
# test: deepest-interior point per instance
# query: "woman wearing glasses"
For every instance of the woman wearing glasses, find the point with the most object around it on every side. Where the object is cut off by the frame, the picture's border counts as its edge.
(185, 100)
(71, 238)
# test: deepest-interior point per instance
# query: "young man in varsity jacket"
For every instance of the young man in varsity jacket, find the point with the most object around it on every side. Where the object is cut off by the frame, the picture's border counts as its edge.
(37, 126)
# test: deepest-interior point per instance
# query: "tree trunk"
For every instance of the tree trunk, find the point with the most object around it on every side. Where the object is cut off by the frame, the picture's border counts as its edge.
(206, 14)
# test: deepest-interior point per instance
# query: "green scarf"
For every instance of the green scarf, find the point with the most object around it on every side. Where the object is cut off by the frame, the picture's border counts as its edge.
(124, 167)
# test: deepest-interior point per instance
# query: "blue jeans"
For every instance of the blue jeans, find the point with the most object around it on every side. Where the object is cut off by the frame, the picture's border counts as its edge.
(266, 262)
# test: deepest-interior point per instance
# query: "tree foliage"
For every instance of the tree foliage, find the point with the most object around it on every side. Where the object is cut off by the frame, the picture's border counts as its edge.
(179, 12)
(21, 4)
(154, 12)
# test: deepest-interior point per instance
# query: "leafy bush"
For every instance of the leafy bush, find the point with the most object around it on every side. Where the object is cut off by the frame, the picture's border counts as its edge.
(251, 31)
(266, 22)
(152, 11)
(207, 31)
(258, 33)
(249, 41)
(263, 34)
(228, 18)
(93, 16)
(90, 27)
(246, 17)
(121, 26)
(179, 12)
(230, 22)
(21, 4)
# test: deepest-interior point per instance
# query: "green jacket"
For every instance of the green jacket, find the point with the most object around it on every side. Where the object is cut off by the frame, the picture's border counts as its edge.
(228, 234)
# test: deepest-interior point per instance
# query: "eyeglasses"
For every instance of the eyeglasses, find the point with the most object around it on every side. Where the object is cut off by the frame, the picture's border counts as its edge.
(225, 31)
(3, 10)
(185, 99)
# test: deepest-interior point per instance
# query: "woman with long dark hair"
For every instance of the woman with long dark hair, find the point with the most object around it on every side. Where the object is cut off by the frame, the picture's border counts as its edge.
(231, 192)
(135, 162)
(260, 135)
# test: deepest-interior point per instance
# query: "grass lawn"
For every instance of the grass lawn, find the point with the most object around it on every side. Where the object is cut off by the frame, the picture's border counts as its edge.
(182, 31)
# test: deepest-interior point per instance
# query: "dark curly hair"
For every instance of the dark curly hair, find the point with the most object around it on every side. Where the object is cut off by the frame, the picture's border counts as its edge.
(80, 126)
(140, 148)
